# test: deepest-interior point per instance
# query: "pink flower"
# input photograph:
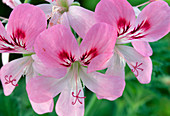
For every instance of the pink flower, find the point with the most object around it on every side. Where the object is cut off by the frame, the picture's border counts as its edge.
(58, 49)
(25, 23)
(151, 25)
(63, 12)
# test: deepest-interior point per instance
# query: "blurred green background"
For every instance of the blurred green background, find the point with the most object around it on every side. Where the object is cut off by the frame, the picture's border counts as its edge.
(152, 99)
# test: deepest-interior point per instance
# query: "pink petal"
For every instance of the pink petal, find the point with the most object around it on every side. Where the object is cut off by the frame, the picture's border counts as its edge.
(108, 87)
(68, 104)
(143, 48)
(57, 47)
(99, 62)
(99, 40)
(25, 26)
(12, 3)
(5, 58)
(41, 89)
(41, 108)
(47, 71)
(116, 67)
(141, 66)
(155, 25)
(112, 11)
(47, 8)
(11, 73)
(81, 20)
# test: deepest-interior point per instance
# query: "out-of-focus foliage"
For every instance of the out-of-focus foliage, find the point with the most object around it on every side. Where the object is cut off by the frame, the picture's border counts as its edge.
(138, 100)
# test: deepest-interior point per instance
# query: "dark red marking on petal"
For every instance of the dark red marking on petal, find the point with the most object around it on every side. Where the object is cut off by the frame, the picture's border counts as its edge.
(122, 26)
(66, 58)
(3, 46)
(88, 56)
(77, 98)
(136, 68)
(8, 80)
(18, 38)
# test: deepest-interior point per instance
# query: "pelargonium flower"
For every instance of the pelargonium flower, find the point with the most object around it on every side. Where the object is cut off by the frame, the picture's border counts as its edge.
(22, 30)
(57, 48)
(63, 12)
(151, 25)
(12, 3)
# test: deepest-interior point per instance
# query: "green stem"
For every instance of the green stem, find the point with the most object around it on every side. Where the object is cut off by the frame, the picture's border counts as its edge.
(91, 105)
(26, 1)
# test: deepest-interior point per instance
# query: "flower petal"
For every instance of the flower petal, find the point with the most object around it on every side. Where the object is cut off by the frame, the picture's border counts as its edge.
(57, 47)
(5, 58)
(47, 71)
(137, 11)
(108, 87)
(143, 48)
(81, 20)
(41, 89)
(47, 8)
(41, 108)
(116, 67)
(12, 3)
(141, 66)
(24, 27)
(99, 40)
(155, 25)
(12, 72)
(115, 12)
(68, 104)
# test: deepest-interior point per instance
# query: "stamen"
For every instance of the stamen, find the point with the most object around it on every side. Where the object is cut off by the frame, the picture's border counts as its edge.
(8, 80)
(77, 98)
(137, 68)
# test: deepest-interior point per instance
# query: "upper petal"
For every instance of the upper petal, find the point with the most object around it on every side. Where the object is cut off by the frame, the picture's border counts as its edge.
(47, 9)
(115, 12)
(108, 87)
(80, 19)
(57, 47)
(141, 66)
(99, 40)
(152, 26)
(24, 27)
(12, 72)
(47, 71)
(142, 47)
(71, 100)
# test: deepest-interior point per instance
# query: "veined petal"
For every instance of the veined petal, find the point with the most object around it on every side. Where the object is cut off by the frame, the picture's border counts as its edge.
(24, 27)
(141, 66)
(117, 13)
(81, 20)
(5, 58)
(12, 3)
(47, 8)
(41, 89)
(71, 100)
(41, 108)
(108, 87)
(153, 26)
(47, 71)
(142, 47)
(12, 72)
(99, 40)
(57, 47)
(116, 67)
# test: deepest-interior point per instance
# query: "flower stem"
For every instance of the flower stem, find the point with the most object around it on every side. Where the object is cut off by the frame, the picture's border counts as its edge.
(90, 105)
(26, 1)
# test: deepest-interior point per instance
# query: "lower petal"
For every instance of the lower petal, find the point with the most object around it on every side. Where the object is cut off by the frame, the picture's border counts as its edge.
(141, 66)
(108, 87)
(71, 100)
(41, 108)
(11, 73)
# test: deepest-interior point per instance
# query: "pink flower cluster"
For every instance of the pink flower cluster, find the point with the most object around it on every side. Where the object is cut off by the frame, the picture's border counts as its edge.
(57, 62)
